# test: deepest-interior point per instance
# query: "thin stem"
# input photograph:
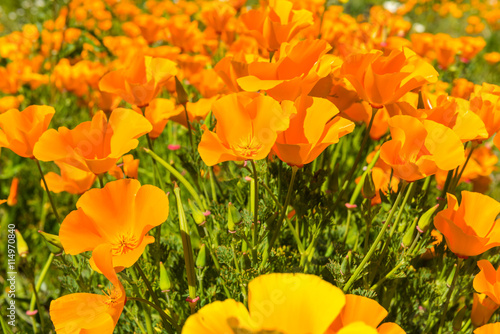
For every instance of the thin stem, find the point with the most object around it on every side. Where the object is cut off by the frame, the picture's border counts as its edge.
(285, 206)
(348, 177)
(380, 235)
(48, 192)
(145, 312)
(448, 295)
(272, 195)
(455, 181)
(38, 285)
(178, 175)
(189, 128)
(166, 319)
(256, 213)
(100, 177)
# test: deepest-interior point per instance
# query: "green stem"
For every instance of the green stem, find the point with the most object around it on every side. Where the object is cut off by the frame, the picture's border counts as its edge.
(189, 129)
(380, 235)
(166, 319)
(285, 206)
(448, 295)
(255, 213)
(212, 184)
(348, 177)
(38, 285)
(455, 181)
(145, 312)
(48, 192)
(40, 310)
(272, 195)
(178, 175)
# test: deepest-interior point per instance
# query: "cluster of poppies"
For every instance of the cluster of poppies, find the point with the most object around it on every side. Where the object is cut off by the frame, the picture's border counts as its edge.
(282, 82)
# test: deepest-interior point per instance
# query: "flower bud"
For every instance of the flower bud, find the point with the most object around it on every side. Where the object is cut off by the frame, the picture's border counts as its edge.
(182, 97)
(409, 235)
(165, 283)
(197, 214)
(234, 213)
(425, 221)
(22, 246)
(230, 221)
(53, 242)
(368, 191)
(201, 259)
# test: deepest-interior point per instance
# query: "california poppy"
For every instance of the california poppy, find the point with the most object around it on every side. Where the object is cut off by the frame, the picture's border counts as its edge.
(247, 127)
(12, 199)
(419, 148)
(120, 215)
(483, 308)
(487, 281)
(488, 329)
(20, 130)
(87, 312)
(277, 24)
(487, 106)
(365, 310)
(130, 168)
(141, 82)
(315, 126)
(94, 146)
(381, 80)
(285, 303)
(72, 180)
(470, 228)
(297, 69)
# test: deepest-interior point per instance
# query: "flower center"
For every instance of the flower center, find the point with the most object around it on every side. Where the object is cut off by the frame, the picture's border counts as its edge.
(247, 147)
(124, 244)
(113, 296)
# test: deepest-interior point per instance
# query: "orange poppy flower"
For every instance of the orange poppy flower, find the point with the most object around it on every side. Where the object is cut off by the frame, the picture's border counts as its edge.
(381, 80)
(446, 49)
(462, 88)
(482, 310)
(20, 130)
(247, 127)
(88, 312)
(487, 107)
(365, 310)
(471, 46)
(273, 305)
(72, 180)
(420, 148)
(94, 146)
(313, 128)
(120, 215)
(488, 329)
(10, 102)
(231, 68)
(130, 168)
(216, 15)
(196, 111)
(297, 69)
(470, 229)
(488, 281)
(277, 24)
(157, 113)
(141, 82)
(456, 114)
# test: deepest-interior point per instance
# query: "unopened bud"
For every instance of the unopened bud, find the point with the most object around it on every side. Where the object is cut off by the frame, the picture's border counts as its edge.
(165, 283)
(182, 97)
(368, 191)
(409, 235)
(197, 214)
(234, 213)
(53, 242)
(22, 246)
(425, 221)
(230, 221)
(201, 259)
(459, 317)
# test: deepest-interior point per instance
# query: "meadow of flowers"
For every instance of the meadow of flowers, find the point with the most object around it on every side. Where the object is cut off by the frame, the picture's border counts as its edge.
(239, 166)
